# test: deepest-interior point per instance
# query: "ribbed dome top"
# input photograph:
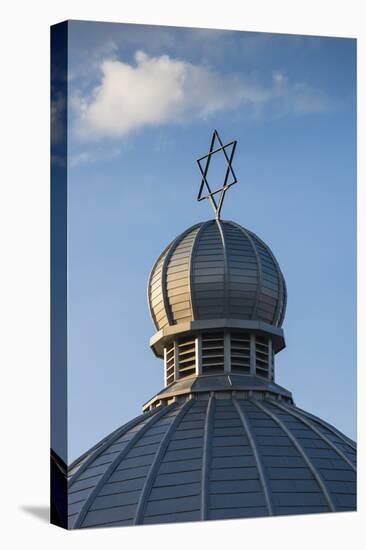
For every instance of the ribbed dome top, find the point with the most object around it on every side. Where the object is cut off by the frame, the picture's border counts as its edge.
(215, 270)
(213, 458)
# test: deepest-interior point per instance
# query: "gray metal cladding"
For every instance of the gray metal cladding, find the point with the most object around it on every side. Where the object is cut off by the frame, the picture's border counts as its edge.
(208, 274)
(215, 457)
(178, 281)
(156, 297)
(234, 487)
(214, 270)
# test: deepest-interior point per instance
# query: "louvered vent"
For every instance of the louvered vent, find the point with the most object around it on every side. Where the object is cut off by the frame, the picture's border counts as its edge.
(170, 365)
(272, 364)
(262, 356)
(213, 353)
(240, 353)
(187, 356)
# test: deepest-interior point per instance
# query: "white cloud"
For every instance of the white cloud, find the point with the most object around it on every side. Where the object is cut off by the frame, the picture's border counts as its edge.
(58, 119)
(298, 98)
(81, 158)
(98, 153)
(160, 90)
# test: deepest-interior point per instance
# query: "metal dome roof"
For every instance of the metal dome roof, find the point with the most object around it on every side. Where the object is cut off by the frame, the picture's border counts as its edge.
(214, 457)
(215, 270)
(222, 439)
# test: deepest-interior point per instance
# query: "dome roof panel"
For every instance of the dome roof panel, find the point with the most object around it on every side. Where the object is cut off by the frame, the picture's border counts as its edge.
(216, 457)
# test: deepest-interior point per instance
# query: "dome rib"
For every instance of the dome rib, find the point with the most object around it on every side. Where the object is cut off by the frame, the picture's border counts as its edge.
(262, 476)
(155, 465)
(206, 456)
(113, 465)
(300, 449)
(165, 271)
(226, 268)
(190, 270)
(259, 266)
(149, 286)
(284, 304)
(100, 447)
(317, 432)
(278, 318)
(331, 428)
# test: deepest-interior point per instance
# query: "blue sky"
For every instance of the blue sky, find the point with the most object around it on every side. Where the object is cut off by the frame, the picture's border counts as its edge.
(143, 102)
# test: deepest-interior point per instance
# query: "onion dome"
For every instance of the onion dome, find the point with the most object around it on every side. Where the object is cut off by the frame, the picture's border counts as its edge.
(214, 270)
(222, 456)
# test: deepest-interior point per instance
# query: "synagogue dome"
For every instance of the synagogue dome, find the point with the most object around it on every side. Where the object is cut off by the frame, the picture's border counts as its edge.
(222, 439)
(216, 270)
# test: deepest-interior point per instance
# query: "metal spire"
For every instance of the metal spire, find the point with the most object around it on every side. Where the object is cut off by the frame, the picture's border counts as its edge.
(217, 205)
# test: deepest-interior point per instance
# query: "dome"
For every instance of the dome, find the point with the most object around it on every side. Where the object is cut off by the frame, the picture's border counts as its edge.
(213, 456)
(216, 270)
(222, 439)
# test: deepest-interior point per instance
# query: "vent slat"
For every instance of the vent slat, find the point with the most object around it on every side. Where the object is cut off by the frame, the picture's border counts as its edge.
(186, 356)
(213, 352)
(262, 357)
(240, 353)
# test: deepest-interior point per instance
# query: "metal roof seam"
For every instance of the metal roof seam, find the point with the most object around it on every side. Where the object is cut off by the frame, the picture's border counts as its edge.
(252, 443)
(98, 449)
(206, 457)
(259, 266)
(316, 431)
(120, 456)
(159, 455)
(301, 451)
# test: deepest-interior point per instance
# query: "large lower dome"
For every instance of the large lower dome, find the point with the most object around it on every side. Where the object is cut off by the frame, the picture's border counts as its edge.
(214, 456)
(216, 270)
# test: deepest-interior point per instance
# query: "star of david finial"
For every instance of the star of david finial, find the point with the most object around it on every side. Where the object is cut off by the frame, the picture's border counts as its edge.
(228, 151)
